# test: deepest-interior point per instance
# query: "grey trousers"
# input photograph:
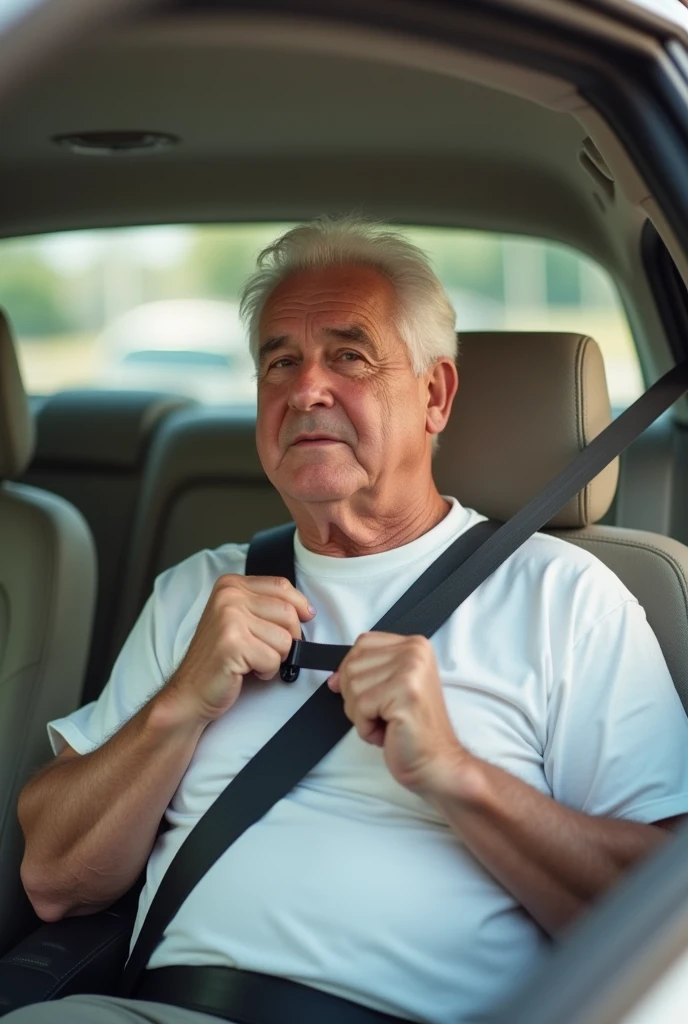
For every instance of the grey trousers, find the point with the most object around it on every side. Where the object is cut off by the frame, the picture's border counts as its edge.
(105, 1010)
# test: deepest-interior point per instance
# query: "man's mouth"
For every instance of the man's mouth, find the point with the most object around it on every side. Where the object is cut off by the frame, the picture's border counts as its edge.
(314, 441)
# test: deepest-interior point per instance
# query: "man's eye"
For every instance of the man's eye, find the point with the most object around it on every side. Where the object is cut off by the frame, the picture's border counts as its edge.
(279, 363)
(349, 357)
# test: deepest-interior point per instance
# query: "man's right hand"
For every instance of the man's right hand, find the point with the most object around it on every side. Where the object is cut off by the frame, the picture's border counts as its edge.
(247, 626)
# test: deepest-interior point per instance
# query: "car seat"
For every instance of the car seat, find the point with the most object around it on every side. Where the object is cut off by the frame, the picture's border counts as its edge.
(47, 595)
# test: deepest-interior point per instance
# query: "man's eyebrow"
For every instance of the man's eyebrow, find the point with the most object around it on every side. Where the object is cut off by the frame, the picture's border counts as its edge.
(271, 344)
(354, 332)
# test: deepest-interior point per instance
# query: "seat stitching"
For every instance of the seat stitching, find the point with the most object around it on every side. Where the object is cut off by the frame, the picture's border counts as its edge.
(27, 960)
(580, 412)
(89, 956)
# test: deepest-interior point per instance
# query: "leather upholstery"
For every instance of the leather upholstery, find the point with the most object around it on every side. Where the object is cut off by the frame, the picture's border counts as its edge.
(527, 404)
(101, 428)
(16, 424)
(91, 448)
(47, 596)
(655, 570)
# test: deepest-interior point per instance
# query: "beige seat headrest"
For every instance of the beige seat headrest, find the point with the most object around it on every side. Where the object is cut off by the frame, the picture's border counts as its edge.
(527, 404)
(17, 436)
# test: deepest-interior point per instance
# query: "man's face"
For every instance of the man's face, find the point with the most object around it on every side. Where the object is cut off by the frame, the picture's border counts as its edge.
(340, 410)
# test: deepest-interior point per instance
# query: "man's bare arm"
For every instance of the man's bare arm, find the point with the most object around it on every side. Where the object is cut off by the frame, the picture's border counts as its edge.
(90, 821)
(554, 860)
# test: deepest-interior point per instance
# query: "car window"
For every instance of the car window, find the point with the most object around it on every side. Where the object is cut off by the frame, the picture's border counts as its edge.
(156, 308)
(665, 999)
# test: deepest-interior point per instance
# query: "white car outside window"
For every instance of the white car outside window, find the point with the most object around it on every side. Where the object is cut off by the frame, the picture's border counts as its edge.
(197, 347)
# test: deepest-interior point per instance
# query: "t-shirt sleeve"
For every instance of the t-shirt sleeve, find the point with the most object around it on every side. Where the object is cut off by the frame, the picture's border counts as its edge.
(617, 736)
(141, 669)
(153, 649)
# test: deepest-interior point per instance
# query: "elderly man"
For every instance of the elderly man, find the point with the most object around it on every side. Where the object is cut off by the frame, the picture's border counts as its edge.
(498, 778)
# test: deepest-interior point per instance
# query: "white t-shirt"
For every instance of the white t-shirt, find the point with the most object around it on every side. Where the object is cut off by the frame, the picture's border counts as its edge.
(353, 884)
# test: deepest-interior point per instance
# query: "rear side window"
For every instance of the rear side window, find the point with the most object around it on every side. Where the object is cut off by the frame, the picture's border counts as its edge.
(156, 308)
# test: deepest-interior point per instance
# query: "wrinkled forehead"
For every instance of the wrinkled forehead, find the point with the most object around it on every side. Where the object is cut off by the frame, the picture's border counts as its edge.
(314, 300)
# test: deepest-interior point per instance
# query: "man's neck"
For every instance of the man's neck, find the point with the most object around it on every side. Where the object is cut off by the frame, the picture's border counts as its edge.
(342, 530)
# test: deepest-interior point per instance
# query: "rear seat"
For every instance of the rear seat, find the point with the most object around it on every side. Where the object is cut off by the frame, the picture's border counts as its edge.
(91, 449)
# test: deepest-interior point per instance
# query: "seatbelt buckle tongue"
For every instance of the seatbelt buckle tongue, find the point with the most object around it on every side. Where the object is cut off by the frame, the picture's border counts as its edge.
(289, 669)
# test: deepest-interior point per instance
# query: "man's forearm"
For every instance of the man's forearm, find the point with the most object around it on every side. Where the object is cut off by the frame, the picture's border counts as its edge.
(90, 821)
(554, 860)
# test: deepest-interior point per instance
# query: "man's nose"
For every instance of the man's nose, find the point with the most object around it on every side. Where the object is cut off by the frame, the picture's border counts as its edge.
(310, 386)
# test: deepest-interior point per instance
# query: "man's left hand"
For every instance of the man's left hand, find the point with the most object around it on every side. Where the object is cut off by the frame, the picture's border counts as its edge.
(393, 696)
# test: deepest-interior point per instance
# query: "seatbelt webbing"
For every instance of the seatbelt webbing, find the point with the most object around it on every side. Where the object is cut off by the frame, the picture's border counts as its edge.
(320, 723)
(273, 554)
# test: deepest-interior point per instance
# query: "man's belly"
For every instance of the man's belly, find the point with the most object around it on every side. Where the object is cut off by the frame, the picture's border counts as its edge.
(360, 897)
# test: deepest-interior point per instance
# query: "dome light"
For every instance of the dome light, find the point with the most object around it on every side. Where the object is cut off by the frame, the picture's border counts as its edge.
(112, 143)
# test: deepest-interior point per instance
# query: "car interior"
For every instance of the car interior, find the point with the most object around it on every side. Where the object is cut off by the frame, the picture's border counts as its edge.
(282, 118)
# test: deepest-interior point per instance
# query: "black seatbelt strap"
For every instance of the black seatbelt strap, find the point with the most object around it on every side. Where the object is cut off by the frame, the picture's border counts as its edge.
(320, 723)
(271, 553)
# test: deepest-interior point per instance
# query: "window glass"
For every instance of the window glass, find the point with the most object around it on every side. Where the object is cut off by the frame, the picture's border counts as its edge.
(157, 307)
(505, 282)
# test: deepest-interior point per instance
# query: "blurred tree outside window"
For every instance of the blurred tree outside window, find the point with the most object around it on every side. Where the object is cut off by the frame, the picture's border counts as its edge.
(562, 278)
(33, 291)
(157, 307)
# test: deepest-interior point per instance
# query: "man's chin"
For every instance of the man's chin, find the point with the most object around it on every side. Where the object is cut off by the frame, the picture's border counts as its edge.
(316, 485)
(318, 495)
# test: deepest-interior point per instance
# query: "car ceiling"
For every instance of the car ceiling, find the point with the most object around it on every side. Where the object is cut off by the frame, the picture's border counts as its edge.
(268, 132)
(284, 119)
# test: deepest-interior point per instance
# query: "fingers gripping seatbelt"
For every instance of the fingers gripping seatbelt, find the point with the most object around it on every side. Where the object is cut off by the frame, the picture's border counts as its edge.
(320, 723)
(274, 549)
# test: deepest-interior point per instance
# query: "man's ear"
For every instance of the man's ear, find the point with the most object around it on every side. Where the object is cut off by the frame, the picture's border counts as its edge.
(443, 383)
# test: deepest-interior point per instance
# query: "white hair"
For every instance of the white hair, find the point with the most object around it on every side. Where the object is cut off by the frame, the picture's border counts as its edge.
(425, 318)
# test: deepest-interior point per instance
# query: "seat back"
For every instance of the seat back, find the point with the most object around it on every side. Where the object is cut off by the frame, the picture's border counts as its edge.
(92, 449)
(47, 596)
(527, 404)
